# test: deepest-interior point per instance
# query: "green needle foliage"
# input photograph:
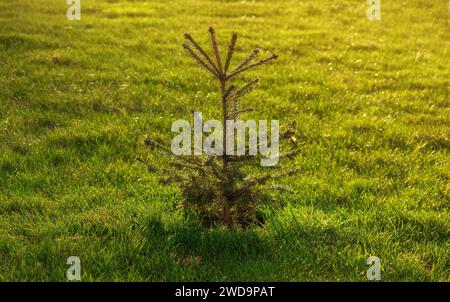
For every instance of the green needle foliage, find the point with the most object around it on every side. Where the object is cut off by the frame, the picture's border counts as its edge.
(220, 187)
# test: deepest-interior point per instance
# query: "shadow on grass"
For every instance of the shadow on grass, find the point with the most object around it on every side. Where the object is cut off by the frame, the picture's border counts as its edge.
(285, 250)
(212, 254)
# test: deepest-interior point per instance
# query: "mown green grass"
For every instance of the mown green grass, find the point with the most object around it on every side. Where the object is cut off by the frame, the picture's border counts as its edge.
(371, 106)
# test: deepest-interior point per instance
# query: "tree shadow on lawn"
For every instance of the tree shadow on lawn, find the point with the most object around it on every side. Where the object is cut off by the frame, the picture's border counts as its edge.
(289, 251)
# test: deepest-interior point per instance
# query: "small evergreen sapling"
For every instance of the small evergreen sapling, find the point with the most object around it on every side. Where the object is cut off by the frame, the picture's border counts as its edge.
(219, 187)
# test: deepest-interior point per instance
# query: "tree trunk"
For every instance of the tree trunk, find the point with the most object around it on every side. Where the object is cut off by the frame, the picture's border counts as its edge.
(227, 214)
(227, 219)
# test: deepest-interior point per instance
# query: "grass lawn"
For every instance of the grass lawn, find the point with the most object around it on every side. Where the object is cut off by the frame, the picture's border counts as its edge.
(370, 101)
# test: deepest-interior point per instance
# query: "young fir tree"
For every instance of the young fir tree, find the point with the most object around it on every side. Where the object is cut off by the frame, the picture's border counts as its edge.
(218, 187)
